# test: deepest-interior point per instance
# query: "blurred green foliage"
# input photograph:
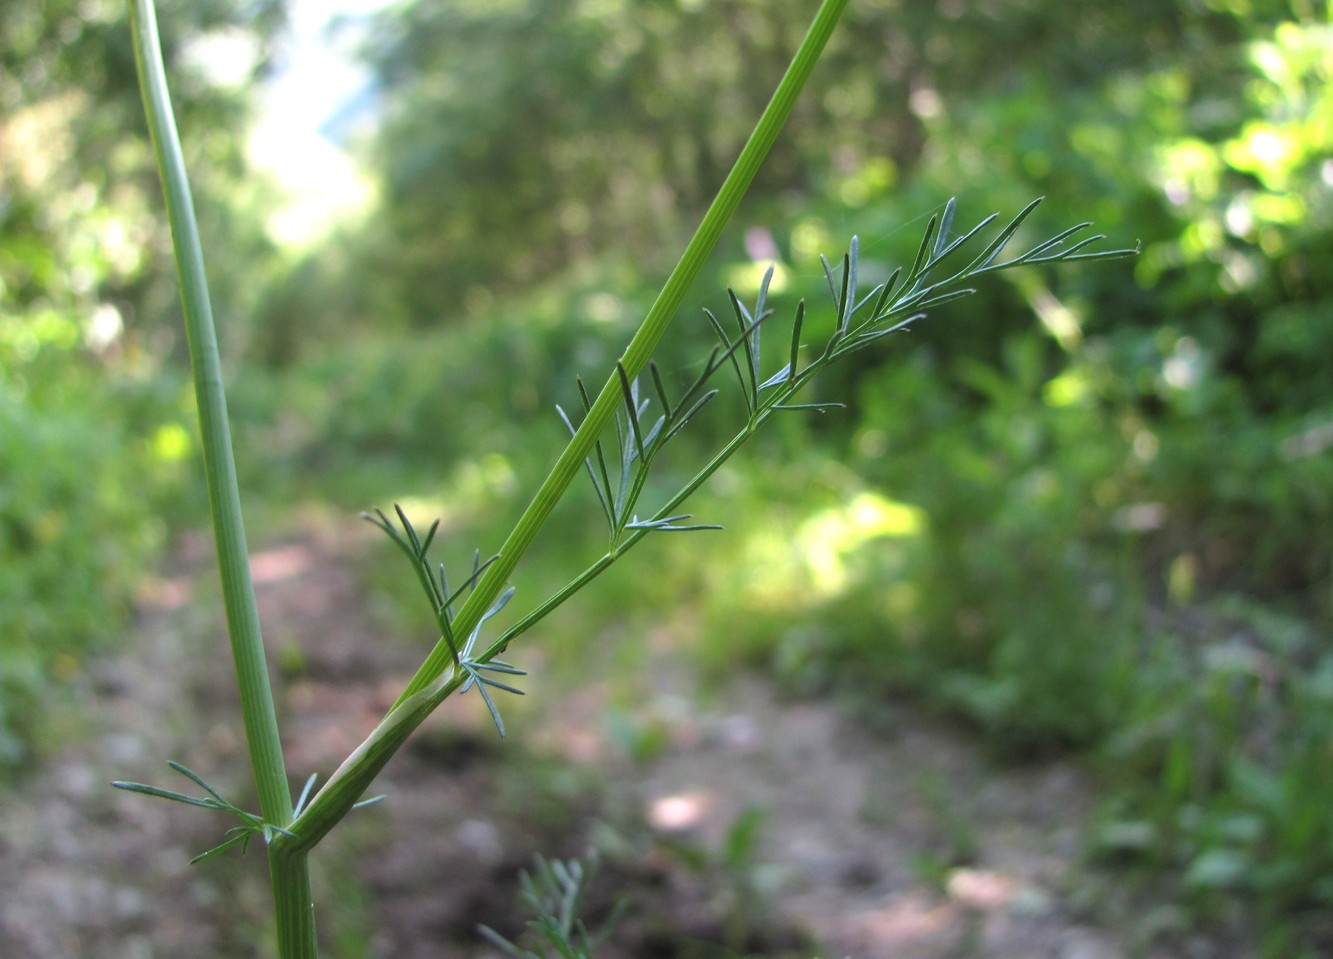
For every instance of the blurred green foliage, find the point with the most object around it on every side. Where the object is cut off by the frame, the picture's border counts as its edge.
(1107, 529)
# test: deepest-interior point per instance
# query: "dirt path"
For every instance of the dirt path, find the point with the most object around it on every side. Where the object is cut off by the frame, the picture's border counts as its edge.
(812, 835)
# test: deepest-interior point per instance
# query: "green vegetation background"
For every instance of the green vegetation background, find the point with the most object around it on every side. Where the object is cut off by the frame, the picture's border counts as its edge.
(1089, 512)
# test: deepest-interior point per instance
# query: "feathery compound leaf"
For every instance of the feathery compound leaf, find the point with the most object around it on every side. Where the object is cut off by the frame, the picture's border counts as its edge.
(983, 262)
(250, 823)
(859, 322)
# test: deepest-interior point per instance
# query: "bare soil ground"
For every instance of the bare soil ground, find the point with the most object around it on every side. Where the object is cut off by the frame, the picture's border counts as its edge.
(739, 824)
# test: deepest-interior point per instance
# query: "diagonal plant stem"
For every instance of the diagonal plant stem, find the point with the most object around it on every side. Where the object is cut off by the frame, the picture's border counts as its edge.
(434, 681)
(289, 874)
(646, 339)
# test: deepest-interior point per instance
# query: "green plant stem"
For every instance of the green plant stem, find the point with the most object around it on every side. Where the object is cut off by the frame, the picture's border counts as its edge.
(293, 902)
(431, 685)
(346, 786)
(289, 874)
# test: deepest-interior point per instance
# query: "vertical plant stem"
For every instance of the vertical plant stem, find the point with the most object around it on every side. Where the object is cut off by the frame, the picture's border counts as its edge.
(645, 340)
(293, 903)
(289, 873)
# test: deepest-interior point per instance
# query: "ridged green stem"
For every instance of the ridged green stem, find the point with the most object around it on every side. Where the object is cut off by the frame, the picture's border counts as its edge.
(291, 882)
(293, 903)
(432, 682)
